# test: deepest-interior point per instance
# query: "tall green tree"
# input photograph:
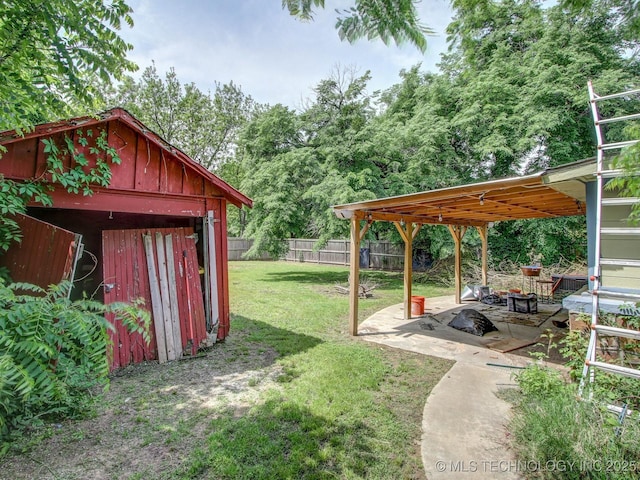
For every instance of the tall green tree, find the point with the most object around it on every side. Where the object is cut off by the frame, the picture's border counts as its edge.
(630, 10)
(519, 75)
(279, 169)
(420, 116)
(204, 125)
(335, 126)
(398, 20)
(522, 81)
(51, 54)
(297, 165)
(510, 99)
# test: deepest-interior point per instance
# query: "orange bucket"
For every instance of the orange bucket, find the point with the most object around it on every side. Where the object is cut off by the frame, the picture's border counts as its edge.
(417, 305)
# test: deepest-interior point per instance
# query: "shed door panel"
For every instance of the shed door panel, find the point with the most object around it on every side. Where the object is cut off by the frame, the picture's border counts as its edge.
(126, 277)
(124, 281)
(46, 255)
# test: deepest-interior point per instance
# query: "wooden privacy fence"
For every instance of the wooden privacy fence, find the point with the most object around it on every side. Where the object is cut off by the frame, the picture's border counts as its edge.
(379, 255)
(236, 247)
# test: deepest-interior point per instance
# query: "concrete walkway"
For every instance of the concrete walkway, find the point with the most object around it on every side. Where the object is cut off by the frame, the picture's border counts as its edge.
(464, 422)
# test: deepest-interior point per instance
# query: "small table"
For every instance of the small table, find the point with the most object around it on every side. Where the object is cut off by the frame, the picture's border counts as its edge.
(529, 272)
(544, 289)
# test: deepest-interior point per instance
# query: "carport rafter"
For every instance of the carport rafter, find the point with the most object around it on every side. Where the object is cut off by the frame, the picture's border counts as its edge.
(407, 218)
(555, 192)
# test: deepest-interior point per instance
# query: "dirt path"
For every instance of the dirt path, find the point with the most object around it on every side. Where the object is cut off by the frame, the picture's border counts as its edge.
(152, 417)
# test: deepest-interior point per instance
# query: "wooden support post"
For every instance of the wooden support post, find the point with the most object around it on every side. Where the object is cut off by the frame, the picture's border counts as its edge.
(354, 271)
(354, 275)
(483, 231)
(457, 232)
(407, 234)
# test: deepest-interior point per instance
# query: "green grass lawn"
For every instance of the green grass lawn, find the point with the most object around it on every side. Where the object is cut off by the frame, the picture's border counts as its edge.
(344, 408)
(288, 395)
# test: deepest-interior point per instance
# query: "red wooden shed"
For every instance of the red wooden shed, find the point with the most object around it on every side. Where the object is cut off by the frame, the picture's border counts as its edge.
(158, 231)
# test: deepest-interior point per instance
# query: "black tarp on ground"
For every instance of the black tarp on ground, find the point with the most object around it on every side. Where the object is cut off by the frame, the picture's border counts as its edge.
(472, 321)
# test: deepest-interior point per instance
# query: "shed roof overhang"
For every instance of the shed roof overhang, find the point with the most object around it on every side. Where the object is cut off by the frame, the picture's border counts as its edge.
(232, 195)
(556, 192)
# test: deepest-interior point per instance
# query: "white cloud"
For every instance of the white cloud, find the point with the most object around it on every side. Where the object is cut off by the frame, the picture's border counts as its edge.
(259, 46)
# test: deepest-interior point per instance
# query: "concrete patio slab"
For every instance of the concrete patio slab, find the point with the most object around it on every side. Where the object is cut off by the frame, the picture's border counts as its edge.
(464, 421)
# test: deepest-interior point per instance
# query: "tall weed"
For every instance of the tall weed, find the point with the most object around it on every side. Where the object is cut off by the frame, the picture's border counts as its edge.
(567, 438)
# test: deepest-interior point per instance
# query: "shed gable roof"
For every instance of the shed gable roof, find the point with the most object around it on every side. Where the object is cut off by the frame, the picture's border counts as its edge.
(140, 149)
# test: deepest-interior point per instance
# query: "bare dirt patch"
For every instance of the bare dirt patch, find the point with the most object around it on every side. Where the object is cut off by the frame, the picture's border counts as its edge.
(152, 417)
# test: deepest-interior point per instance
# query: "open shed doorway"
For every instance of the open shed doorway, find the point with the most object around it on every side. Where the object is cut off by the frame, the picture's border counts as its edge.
(89, 277)
(115, 266)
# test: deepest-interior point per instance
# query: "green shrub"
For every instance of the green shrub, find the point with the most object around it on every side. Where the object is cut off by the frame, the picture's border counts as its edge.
(558, 436)
(539, 381)
(53, 352)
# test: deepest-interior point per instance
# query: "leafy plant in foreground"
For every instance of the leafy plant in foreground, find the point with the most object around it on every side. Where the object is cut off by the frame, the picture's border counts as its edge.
(607, 388)
(562, 437)
(53, 351)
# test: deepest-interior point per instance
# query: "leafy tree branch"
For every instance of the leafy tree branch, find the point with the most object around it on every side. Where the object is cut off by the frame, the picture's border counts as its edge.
(386, 20)
(51, 54)
(78, 163)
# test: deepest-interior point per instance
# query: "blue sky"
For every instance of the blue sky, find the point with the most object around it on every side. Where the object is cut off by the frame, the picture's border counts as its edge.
(257, 45)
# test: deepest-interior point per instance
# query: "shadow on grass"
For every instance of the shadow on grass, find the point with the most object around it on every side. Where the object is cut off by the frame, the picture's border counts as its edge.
(255, 345)
(283, 341)
(151, 409)
(283, 440)
(331, 277)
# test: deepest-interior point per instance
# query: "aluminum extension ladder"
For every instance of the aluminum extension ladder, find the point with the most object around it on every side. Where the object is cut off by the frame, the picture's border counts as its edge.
(599, 290)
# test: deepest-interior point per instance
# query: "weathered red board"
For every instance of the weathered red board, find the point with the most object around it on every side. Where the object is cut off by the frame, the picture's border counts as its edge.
(126, 278)
(148, 163)
(154, 186)
(44, 257)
